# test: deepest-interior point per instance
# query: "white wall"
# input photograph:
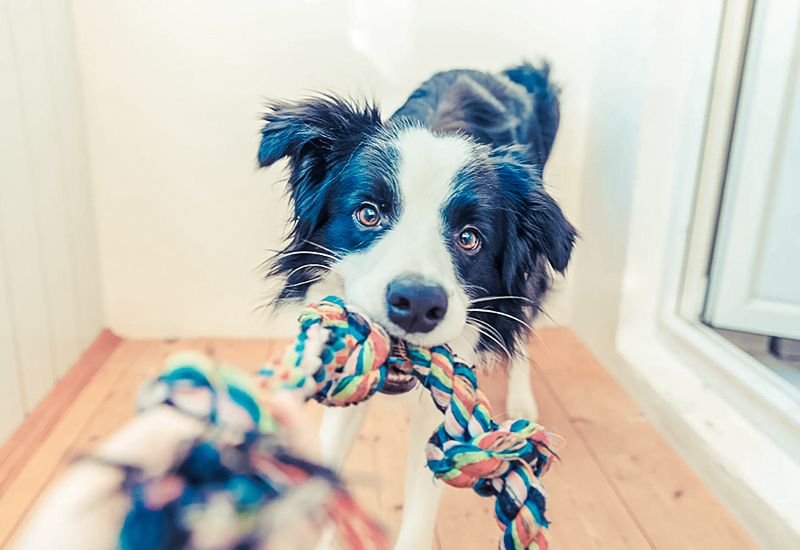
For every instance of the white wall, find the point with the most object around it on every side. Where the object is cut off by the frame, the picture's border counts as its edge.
(621, 68)
(49, 287)
(174, 91)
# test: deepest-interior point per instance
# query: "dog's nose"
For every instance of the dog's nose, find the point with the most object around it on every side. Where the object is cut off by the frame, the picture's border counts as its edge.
(416, 305)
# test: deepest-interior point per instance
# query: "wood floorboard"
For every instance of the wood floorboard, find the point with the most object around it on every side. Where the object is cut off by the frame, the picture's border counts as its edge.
(673, 508)
(18, 496)
(618, 484)
(18, 449)
(119, 404)
(583, 508)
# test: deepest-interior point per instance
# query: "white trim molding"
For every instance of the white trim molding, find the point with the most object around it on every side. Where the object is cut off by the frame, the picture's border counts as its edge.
(730, 418)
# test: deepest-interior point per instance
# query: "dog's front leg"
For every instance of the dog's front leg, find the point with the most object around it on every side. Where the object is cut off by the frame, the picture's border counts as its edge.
(338, 431)
(422, 491)
(520, 402)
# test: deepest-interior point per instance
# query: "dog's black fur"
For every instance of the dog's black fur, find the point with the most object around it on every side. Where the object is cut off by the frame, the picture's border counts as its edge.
(494, 111)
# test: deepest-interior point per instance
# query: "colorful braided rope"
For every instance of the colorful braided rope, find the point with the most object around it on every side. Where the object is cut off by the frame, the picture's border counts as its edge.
(339, 358)
(470, 450)
(227, 488)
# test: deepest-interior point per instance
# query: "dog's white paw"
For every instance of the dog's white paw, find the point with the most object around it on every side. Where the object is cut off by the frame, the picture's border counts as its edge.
(520, 403)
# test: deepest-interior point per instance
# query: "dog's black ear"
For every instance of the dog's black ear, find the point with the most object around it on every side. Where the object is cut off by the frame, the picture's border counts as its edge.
(546, 112)
(315, 135)
(313, 132)
(541, 227)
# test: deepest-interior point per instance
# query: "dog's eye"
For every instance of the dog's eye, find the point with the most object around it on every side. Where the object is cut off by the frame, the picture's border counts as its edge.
(367, 215)
(469, 240)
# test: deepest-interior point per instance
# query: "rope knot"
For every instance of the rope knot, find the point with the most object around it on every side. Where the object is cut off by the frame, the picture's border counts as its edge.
(338, 359)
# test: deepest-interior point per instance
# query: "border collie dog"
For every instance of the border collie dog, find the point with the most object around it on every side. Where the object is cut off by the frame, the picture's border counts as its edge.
(434, 224)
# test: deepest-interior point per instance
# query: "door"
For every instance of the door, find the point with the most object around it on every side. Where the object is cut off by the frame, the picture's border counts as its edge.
(755, 271)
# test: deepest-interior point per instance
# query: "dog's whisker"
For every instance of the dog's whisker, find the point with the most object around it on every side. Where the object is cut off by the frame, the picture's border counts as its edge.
(307, 266)
(477, 289)
(494, 331)
(487, 326)
(326, 249)
(306, 282)
(309, 252)
(546, 349)
(493, 298)
(543, 312)
(490, 337)
(517, 319)
(266, 263)
(502, 314)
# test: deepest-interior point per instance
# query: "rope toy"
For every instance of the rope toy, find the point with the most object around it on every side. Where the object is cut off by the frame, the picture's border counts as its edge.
(237, 485)
(340, 358)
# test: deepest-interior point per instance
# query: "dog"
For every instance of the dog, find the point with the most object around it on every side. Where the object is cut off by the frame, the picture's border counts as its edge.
(434, 223)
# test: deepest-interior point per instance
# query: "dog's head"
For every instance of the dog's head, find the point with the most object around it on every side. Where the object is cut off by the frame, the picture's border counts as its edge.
(422, 230)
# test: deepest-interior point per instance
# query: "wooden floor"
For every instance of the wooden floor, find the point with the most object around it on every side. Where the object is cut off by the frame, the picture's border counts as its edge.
(618, 484)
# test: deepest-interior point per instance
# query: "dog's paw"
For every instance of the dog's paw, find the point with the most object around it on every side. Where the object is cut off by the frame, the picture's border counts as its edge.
(520, 403)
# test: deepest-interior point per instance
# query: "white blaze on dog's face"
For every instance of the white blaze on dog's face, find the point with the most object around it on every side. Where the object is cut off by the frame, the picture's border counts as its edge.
(416, 246)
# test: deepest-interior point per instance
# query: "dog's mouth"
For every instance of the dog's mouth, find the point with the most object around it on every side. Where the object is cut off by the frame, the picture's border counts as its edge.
(397, 381)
